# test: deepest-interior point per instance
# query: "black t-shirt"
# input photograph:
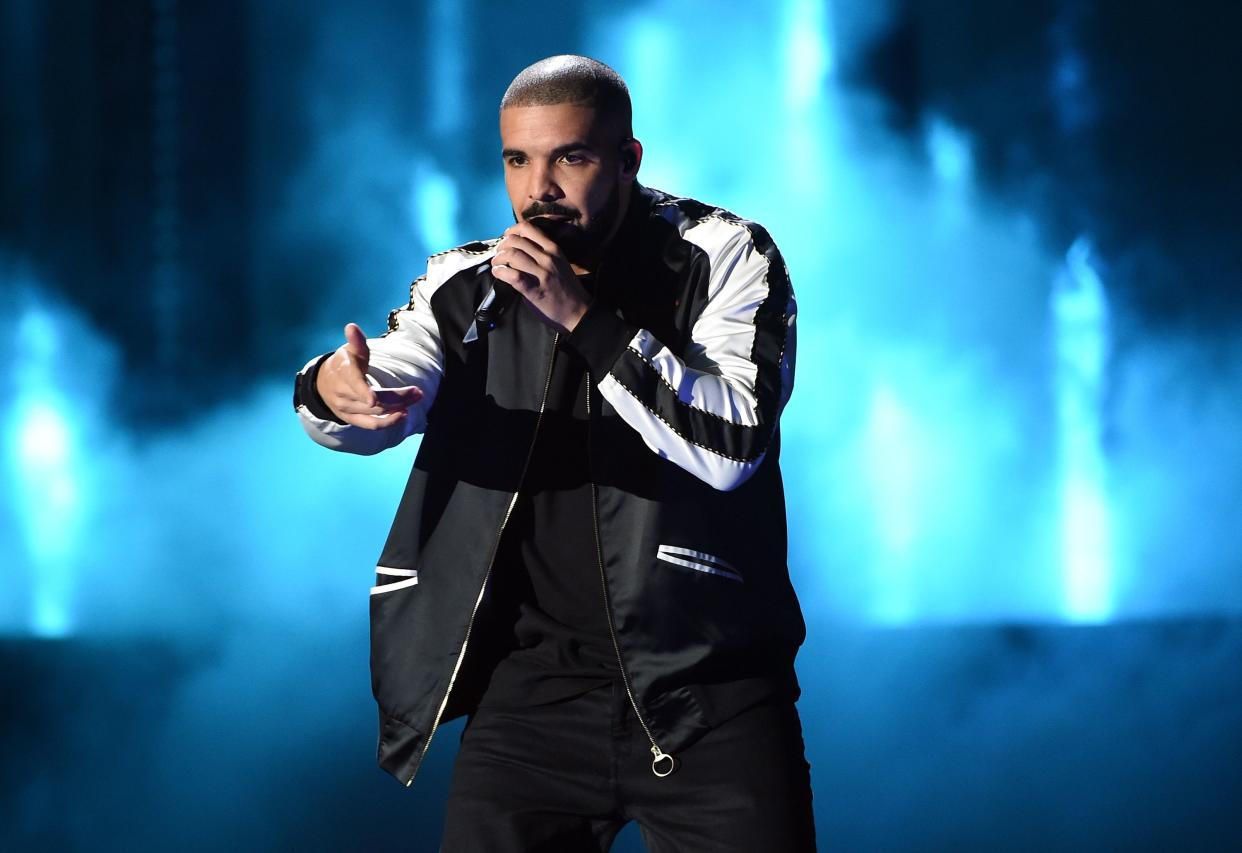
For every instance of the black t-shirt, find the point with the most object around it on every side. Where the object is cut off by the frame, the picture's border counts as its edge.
(546, 590)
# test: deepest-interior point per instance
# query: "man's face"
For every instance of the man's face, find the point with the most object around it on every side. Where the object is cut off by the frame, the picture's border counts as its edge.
(563, 173)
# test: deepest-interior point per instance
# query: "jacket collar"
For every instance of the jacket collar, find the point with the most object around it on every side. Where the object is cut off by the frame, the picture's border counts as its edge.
(624, 241)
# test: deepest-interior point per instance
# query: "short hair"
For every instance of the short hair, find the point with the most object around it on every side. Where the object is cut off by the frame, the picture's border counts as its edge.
(571, 79)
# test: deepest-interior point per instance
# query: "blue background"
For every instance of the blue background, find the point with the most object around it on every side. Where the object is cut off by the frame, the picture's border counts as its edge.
(1013, 456)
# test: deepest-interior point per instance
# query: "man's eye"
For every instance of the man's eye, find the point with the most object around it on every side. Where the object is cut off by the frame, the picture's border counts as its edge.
(516, 161)
(571, 159)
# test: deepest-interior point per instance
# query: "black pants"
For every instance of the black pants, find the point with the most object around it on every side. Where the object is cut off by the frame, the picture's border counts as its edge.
(567, 776)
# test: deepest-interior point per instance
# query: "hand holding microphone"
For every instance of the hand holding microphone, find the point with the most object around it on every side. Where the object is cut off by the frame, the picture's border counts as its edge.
(532, 264)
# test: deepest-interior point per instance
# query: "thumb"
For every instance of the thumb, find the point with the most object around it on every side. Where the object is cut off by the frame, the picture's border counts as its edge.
(356, 343)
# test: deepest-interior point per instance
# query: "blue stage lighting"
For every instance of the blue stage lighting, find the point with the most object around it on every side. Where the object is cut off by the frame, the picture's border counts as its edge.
(1081, 337)
(47, 496)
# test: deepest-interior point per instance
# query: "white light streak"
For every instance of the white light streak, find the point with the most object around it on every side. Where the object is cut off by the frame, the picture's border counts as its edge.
(950, 151)
(41, 451)
(892, 453)
(808, 52)
(1081, 337)
(434, 205)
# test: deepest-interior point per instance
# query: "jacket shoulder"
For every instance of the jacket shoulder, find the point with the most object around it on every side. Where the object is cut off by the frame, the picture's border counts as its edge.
(713, 229)
(443, 266)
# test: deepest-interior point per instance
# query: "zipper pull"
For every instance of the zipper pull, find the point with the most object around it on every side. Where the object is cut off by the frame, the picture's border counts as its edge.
(663, 764)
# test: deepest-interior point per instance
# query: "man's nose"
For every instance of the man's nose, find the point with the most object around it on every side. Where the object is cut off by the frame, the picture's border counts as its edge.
(543, 186)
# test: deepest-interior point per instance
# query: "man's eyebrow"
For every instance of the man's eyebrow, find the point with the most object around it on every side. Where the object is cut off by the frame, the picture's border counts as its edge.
(571, 146)
(506, 153)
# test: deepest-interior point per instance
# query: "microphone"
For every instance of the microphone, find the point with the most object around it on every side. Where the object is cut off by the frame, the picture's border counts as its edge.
(490, 311)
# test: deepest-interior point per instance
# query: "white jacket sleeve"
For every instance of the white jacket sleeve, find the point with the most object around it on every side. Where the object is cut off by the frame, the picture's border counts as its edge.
(711, 409)
(410, 353)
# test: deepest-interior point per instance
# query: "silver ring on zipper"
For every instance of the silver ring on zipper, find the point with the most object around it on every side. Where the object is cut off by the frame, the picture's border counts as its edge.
(663, 764)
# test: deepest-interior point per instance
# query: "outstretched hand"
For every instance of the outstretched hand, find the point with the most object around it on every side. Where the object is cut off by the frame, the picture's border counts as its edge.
(343, 386)
(533, 264)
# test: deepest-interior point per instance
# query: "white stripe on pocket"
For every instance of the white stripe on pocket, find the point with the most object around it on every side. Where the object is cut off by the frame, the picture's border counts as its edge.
(410, 575)
(699, 561)
(400, 573)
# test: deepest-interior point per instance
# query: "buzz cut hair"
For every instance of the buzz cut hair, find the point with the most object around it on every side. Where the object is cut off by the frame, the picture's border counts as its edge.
(571, 79)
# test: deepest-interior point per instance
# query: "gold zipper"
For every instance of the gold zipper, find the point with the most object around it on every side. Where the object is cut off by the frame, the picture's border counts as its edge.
(659, 756)
(461, 656)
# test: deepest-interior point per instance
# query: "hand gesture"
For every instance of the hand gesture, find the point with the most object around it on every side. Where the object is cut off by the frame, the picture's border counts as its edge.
(342, 384)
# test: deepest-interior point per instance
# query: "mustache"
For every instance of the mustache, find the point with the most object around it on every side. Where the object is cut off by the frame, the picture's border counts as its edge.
(549, 208)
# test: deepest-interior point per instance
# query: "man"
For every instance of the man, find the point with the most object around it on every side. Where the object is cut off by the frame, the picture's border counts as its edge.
(589, 558)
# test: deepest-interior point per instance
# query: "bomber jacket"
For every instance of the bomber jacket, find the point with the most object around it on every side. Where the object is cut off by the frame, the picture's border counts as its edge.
(689, 343)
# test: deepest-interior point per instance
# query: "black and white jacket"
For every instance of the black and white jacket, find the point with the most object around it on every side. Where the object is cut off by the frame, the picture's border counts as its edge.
(690, 346)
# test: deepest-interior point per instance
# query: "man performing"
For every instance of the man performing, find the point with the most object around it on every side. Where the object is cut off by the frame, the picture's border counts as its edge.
(590, 555)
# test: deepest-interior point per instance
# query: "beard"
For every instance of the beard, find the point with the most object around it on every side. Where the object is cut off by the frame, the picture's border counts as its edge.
(581, 245)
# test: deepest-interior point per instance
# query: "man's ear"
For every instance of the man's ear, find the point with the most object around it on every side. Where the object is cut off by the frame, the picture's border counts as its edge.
(631, 157)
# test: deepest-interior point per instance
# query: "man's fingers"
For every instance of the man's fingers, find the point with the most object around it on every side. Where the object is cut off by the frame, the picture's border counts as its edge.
(520, 260)
(344, 375)
(394, 398)
(538, 252)
(356, 342)
(357, 409)
(517, 240)
(382, 401)
(531, 233)
(373, 421)
(521, 281)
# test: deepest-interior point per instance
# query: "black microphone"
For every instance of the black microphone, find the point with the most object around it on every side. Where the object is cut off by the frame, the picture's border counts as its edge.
(494, 305)
(490, 311)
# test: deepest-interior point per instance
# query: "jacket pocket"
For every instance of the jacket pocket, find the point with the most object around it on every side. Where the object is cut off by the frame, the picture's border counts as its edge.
(390, 580)
(699, 561)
